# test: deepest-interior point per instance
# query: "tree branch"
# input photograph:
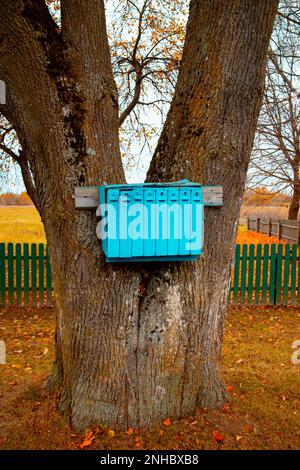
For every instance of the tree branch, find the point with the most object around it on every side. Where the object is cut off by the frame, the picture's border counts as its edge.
(27, 178)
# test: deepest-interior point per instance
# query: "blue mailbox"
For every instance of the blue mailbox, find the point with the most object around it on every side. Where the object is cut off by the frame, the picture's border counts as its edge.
(151, 221)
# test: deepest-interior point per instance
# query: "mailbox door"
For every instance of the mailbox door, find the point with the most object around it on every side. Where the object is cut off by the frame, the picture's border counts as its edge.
(196, 221)
(174, 221)
(185, 203)
(112, 243)
(125, 201)
(149, 221)
(161, 222)
(136, 221)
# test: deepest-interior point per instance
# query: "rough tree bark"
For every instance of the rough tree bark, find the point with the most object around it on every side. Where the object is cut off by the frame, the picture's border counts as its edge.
(134, 344)
(295, 200)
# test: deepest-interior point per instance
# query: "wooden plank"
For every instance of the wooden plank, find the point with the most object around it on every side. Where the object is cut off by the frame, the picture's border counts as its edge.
(273, 264)
(278, 279)
(88, 197)
(26, 272)
(265, 275)
(236, 274)
(18, 273)
(293, 274)
(244, 273)
(41, 274)
(10, 272)
(286, 274)
(250, 274)
(33, 274)
(257, 274)
(212, 196)
(2, 274)
(48, 281)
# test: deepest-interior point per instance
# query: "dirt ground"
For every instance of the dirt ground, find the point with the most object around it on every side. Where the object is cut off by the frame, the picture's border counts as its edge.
(263, 384)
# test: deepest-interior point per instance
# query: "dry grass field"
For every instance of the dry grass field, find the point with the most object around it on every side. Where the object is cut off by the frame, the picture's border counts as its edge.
(20, 224)
(268, 212)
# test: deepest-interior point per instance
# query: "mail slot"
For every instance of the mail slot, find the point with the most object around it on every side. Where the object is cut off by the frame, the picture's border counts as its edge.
(151, 221)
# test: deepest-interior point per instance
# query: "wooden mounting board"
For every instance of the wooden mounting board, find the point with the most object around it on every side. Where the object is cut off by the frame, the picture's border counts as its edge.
(88, 197)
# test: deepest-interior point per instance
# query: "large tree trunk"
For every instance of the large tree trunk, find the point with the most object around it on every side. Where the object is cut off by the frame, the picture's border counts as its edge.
(295, 200)
(134, 344)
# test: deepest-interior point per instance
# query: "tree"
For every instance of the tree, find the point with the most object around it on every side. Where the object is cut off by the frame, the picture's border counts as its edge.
(146, 39)
(276, 156)
(134, 343)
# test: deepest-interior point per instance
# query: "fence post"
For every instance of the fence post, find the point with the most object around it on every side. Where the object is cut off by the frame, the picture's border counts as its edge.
(279, 230)
(269, 227)
(248, 223)
(258, 224)
(298, 235)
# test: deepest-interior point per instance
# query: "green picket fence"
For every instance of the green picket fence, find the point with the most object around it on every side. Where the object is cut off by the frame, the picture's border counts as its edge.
(266, 275)
(25, 275)
(262, 275)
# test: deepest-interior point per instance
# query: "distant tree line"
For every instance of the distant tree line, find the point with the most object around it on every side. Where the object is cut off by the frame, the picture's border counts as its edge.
(12, 199)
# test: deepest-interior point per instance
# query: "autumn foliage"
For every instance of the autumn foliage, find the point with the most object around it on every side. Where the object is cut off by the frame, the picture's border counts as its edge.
(11, 199)
(249, 237)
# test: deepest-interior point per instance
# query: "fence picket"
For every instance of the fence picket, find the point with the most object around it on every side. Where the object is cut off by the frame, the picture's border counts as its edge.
(293, 274)
(10, 273)
(26, 272)
(273, 263)
(2, 274)
(33, 273)
(250, 274)
(257, 274)
(278, 276)
(286, 274)
(48, 281)
(236, 274)
(265, 275)
(244, 273)
(41, 274)
(18, 274)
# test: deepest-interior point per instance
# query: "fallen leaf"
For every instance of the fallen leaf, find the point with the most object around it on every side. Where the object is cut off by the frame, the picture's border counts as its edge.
(218, 436)
(238, 438)
(87, 440)
(129, 432)
(138, 442)
(230, 388)
(167, 422)
(111, 433)
(226, 408)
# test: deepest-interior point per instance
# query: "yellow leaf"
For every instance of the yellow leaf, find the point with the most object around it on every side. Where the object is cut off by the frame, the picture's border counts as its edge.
(111, 433)
(238, 438)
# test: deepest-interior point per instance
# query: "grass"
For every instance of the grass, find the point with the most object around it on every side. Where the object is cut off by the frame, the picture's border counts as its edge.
(263, 413)
(20, 224)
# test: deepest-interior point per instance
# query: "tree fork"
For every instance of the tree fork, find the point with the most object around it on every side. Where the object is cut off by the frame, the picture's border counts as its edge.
(131, 352)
